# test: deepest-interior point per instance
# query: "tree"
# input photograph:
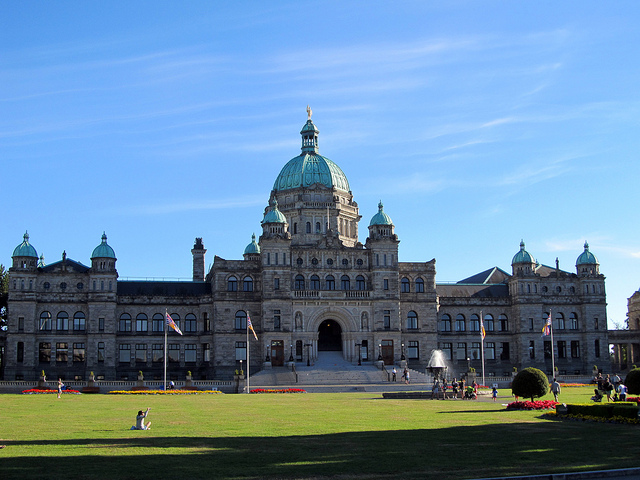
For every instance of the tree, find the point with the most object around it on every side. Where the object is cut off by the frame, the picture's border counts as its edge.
(530, 383)
(633, 381)
(4, 296)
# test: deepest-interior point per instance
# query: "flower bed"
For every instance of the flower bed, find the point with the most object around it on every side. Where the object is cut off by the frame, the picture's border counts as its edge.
(33, 391)
(282, 390)
(164, 392)
(536, 405)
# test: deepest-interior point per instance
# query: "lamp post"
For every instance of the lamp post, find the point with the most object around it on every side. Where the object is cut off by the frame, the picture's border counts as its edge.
(308, 354)
(468, 364)
(379, 351)
(291, 352)
(267, 359)
(358, 345)
(402, 352)
(241, 373)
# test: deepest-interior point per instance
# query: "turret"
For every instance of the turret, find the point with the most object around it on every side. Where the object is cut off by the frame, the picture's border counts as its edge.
(198, 252)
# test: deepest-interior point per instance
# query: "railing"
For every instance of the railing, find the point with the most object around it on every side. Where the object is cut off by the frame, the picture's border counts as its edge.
(332, 294)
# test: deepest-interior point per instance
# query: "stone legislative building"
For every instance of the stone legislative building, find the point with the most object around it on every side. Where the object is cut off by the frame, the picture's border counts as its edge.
(308, 284)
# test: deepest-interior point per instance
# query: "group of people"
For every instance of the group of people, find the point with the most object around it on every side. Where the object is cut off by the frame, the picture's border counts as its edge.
(612, 388)
(406, 376)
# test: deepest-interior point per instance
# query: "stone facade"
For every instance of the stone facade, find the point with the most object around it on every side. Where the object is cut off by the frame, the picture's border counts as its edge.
(308, 285)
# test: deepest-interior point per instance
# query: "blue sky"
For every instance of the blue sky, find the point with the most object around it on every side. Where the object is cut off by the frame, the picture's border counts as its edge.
(477, 124)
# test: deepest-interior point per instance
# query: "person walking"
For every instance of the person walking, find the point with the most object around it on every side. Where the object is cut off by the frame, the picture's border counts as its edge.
(393, 373)
(555, 389)
(494, 393)
(60, 385)
(407, 380)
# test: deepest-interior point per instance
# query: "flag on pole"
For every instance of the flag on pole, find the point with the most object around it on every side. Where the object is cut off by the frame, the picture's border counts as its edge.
(250, 326)
(172, 324)
(482, 330)
(546, 330)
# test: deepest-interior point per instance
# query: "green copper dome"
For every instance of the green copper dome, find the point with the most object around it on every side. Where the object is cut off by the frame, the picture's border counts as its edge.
(523, 256)
(586, 257)
(25, 249)
(103, 250)
(274, 215)
(380, 218)
(253, 247)
(309, 167)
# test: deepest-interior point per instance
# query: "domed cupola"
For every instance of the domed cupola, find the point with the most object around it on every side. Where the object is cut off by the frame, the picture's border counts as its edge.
(253, 248)
(274, 215)
(103, 257)
(24, 255)
(310, 168)
(523, 261)
(381, 224)
(274, 222)
(587, 263)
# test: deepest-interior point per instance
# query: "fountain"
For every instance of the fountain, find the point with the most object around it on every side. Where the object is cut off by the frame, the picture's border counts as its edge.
(437, 365)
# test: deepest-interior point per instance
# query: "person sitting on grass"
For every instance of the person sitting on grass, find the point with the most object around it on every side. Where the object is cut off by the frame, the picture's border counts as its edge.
(140, 425)
(596, 397)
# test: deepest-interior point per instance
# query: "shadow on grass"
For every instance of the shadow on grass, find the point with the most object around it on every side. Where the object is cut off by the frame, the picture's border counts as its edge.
(452, 453)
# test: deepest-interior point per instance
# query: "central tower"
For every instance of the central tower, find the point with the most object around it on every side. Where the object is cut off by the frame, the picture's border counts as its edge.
(313, 194)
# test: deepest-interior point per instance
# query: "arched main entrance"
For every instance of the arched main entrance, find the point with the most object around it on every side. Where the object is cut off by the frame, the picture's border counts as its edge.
(329, 336)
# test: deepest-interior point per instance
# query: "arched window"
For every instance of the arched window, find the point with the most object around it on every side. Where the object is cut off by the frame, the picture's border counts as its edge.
(157, 322)
(460, 323)
(317, 227)
(124, 325)
(295, 227)
(330, 282)
(361, 284)
(45, 321)
(299, 283)
(247, 284)
(445, 323)
(142, 323)
(412, 320)
(573, 321)
(474, 323)
(419, 285)
(314, 283)
(62, 321)
(504, 323)
(308, 227)
(345, 282)
(241, 320)
(232, 284)
(405, 286)
(190, 323)
(488, 323)
(560, 324)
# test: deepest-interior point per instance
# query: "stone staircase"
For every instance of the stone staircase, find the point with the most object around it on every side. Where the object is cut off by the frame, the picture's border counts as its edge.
(331, 373)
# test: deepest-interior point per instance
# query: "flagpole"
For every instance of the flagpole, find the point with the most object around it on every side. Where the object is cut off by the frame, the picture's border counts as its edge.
(166, 327)
(553, 356)
(482, 344)
(247, 382)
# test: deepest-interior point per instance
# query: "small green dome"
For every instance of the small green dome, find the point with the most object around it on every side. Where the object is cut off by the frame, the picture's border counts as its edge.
(523, 256)
(274, 215)
(25, 249)
(103, 250)
(380, 218)
(253, 247)
(586, 257)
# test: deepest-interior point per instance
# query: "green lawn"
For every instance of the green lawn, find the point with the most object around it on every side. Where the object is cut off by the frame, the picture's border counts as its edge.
(346, 435)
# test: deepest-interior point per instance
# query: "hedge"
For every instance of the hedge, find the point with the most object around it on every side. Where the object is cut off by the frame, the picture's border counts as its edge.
(603, 410)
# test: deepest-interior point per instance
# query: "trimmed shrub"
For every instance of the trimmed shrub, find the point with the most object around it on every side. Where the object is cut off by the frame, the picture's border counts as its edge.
(633, 381)
(530, 383)
(603, 410)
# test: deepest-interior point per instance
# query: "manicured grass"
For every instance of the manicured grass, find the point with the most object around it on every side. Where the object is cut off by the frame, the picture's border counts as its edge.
(346, 435)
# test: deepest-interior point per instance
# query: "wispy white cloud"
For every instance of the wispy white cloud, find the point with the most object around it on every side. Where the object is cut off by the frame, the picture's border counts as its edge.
(195, 205)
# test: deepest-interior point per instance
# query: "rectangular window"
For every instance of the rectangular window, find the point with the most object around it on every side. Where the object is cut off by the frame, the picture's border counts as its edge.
(44, 355)
(62, 352)
(125, 354)
(124, 325)
(385, 283)
(62, 323)
(276, 258)
(20, 355)
(387, 320)
(20, 324)
(79, 352)
(157, 352)
(268, 258)
(206, 353)
(207, 322)
(141, 353)
(241, 351)
(79, 323)
(562, 349)
(276, 283)
(142, 324)
(531, 324)
(461, 351)
(475, 350)
(596, 348)
(101, 324)
(547, 349)
(596, 323)
(412, 350)
(575, 349)
(505, 354)
(157, 323)
(173, 355)
(101, 351)
(190, 353)
(276, 319)
(490, 351)
(532, 349)
(447, 349)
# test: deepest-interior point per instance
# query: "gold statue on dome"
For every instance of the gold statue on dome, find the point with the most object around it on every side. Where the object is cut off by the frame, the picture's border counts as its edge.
(309, 112)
